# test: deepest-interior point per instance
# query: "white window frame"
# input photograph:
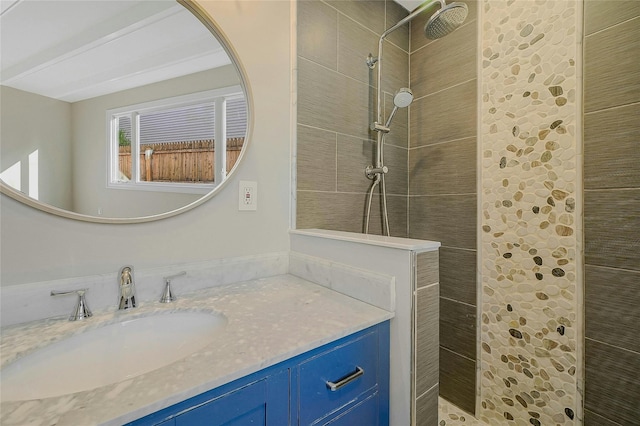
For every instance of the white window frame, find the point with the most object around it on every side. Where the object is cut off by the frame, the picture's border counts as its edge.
(218, 96)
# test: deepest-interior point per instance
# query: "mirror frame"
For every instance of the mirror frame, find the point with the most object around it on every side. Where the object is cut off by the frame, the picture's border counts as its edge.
(204, 17)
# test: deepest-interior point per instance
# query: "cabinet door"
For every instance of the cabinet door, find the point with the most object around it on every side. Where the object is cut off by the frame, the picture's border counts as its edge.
(262, 402)
(244, 406)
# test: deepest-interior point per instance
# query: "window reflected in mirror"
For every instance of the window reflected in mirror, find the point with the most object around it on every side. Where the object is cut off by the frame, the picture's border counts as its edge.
(171, 144)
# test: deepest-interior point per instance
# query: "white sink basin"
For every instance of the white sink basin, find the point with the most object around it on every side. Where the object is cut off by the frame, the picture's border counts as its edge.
(108, 354)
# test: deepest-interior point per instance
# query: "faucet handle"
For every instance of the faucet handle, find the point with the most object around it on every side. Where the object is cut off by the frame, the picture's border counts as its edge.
(81, 311)
(167, 295)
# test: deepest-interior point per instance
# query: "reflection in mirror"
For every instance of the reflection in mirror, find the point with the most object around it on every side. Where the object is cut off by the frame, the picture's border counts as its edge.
(115, 109)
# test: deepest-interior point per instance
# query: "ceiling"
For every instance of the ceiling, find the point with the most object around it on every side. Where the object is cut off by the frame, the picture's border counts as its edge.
(75, 50)
(409, 4)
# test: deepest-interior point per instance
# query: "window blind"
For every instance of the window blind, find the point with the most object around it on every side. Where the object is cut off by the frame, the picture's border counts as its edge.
(190, 123)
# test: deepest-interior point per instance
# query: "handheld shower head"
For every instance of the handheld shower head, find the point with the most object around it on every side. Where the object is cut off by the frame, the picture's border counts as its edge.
(401, 99)
(446, 20)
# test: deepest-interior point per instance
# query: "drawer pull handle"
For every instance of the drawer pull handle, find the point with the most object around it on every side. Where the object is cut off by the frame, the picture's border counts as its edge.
(346, 379)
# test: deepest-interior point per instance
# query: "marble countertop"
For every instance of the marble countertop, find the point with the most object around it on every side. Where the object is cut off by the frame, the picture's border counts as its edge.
(269, 320)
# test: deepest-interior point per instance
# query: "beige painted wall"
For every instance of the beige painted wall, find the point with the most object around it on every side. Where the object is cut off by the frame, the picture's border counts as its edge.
(36, 246)
(32, 122)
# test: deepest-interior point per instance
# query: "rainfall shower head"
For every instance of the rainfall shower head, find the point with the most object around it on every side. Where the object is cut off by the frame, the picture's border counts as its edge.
(402, 99)
(445, 20)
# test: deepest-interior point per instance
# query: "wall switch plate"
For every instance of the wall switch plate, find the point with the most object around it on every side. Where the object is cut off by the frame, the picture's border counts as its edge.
(248, 195)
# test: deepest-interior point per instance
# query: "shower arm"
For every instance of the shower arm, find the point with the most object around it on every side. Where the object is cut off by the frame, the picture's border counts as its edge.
(410, 16)
(378, 126)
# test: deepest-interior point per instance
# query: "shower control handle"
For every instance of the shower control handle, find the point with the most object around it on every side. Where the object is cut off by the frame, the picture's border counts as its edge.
(372, 172)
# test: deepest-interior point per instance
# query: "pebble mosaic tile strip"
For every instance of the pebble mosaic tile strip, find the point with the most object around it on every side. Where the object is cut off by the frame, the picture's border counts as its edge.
(528, 201)
(450, 415)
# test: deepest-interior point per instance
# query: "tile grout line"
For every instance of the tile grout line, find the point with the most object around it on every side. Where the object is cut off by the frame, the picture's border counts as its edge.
(612, 346)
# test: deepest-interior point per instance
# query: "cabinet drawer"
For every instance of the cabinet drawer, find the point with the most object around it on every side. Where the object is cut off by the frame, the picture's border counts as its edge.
(364, 413)
(356, 360)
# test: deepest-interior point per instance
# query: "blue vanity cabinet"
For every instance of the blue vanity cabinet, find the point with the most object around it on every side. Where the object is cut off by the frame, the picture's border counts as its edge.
(343, 383)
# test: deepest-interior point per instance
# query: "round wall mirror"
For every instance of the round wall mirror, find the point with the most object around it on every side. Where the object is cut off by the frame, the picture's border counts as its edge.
(117, 111)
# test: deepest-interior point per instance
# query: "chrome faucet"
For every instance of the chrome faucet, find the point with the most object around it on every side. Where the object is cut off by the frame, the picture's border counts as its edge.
(127, 288)
(81, 311)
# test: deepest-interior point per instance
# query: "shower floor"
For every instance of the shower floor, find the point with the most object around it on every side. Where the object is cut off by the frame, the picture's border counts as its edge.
(450, 415)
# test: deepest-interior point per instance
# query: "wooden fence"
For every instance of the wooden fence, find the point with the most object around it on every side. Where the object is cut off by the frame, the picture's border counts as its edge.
(185, 162)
